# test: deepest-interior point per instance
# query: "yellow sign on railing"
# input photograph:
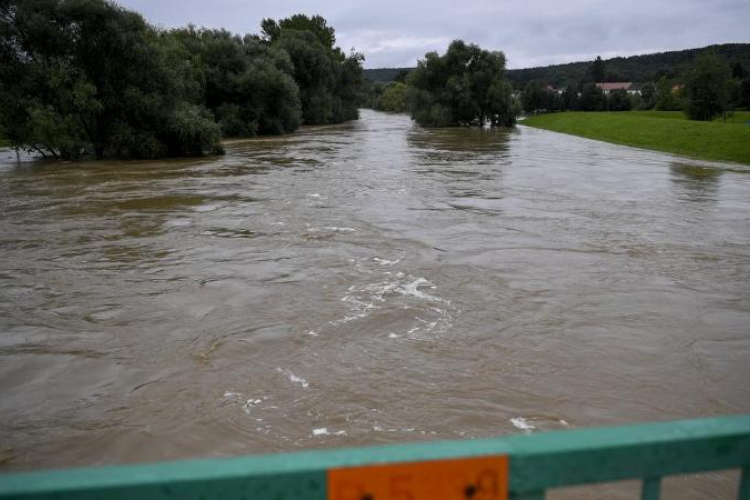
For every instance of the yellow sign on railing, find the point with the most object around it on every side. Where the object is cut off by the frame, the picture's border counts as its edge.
(483, 478)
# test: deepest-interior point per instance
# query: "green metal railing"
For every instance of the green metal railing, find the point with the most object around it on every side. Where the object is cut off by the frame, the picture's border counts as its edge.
(527, 466)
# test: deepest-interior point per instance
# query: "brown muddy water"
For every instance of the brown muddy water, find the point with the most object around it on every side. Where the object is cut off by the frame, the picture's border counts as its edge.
(368, 283)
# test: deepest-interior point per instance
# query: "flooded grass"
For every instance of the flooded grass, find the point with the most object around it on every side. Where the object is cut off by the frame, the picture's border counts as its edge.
(671, 133)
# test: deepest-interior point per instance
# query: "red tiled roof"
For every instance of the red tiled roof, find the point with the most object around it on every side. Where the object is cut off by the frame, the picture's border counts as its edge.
(615, 85)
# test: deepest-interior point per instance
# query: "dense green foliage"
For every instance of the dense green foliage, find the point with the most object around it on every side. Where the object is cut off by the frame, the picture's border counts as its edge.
(389, 97)
(248, 85)
(598, 70)
(393, 98)
(743, 94)
(663, 79)
(736, 117)
(648, 95)
(383, 75)
(328, 80)
(707, 88)
(643, 68)
(87, 78)
(717, 140)
(591, 98)
(537, 97)
(666, 95)
(464, 86)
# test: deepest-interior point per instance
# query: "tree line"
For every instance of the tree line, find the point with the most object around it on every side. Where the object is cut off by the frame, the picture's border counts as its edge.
(88, 78)
(707, 88)
(641, 68)
(463, 87)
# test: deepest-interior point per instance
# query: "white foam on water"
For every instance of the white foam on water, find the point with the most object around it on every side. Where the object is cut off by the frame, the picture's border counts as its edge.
(294, 378)
(247, 407)
(179, 222)
(347, 319)
(378, 428)
(340, 229)
(384, 262)
(363, 300)
(523, 424)
(413, 290)
(206, 208)
(322, 431)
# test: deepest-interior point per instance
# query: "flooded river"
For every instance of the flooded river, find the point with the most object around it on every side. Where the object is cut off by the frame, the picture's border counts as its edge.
(361, 284)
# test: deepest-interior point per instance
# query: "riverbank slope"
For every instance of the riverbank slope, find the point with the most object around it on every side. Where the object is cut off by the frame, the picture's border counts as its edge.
(660, 131)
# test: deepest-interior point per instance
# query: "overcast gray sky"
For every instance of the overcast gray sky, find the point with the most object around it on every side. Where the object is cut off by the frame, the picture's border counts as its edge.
(395, 33)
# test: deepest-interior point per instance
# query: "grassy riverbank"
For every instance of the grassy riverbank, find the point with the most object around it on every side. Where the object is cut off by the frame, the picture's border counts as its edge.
(658, 130)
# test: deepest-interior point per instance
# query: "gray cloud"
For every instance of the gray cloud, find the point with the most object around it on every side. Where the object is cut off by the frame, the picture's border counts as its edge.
(394, 33)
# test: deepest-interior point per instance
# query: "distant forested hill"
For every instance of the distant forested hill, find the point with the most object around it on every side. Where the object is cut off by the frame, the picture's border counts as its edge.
(383, 74)
(643, 68)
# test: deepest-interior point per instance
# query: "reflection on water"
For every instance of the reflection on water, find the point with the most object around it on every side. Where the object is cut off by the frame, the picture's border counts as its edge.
(696, 183)
(381, 281)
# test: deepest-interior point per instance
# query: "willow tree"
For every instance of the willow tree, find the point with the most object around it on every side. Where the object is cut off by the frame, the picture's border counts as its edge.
(248, 86)
(88, 78)
(329, 81)
(465, 86)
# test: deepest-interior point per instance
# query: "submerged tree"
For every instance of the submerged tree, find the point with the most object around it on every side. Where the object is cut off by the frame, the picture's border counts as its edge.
(83, 78)
(328, 80)
(393, 98)
(465, 86)
(88, 78)
(707, 87)
(247, 85)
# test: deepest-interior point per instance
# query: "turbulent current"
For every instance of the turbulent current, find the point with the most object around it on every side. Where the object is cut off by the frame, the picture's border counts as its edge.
(368, 283)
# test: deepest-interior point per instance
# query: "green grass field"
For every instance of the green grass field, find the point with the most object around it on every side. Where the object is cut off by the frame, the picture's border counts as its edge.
(736, 117)
(666, 131)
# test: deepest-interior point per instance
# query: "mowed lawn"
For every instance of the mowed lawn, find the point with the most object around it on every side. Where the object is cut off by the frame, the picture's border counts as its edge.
(666, 131)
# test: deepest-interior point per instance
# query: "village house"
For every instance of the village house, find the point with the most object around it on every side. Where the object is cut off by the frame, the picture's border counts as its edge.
(629, 87)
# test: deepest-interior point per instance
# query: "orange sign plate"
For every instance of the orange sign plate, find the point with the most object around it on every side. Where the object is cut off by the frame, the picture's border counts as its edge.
(484, 478)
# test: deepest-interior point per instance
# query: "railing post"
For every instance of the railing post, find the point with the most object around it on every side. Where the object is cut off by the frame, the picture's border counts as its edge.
(651, 488)
(744, 491)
